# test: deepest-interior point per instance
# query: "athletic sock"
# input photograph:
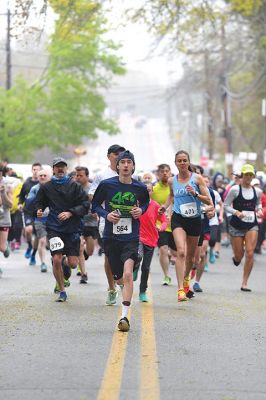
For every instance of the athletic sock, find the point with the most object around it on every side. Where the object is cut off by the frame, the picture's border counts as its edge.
(125, 308)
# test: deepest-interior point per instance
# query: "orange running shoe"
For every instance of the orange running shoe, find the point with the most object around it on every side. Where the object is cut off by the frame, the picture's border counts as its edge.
(181, 295)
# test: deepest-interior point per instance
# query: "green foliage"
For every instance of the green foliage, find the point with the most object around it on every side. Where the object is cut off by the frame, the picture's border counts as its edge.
(67, 105)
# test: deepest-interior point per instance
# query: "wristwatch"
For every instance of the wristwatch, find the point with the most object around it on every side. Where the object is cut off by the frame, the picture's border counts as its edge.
(196, 194)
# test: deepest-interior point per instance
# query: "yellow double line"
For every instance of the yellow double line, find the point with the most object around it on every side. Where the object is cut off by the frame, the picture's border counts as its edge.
(149, 375)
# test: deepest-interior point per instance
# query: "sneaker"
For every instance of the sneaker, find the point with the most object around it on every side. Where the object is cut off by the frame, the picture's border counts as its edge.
(181, 295)
(236, 263)
(212, 257)
(84, 279)
(56, 289)
(62, 297)
(28, 252)
(86, 255)
(111, 297)
(225, 242)
(190, 294)
(186, 284)
(7, 251)
(143, 297)
(206, 268)
(217, 254)
(43, 267)
(166, 281)
(123, 325)
(78, 271)
(197, 288)
(135, 274)
(66, 282)
(32, 260)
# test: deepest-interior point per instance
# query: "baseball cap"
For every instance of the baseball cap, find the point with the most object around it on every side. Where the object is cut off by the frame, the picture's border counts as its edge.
(59, 160)
(248, 169)
(115, 148)
(126, 154)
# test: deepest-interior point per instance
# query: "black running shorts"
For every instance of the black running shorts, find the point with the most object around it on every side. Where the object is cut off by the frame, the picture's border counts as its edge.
(71, 243)
(166, 239)
(192, 226)
(118, 252)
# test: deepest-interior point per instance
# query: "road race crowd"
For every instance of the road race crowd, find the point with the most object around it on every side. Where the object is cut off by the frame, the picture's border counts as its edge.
(186, 214)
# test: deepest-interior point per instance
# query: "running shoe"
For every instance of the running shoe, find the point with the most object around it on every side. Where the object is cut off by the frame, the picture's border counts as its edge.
(217, 254)
(123, 325)
(32, 260)
(186, 284)
(28, 252)
(56, 289)
(84, 279)
(166, 281)
(197, 288)
(7, 251)
(111, 297)
(86, 255)
(181, 295)
(143, 297)
(206, 268)
(236, 263)
(212, 257)
(135, 274)
(190, 294)
(66, 282)
(78, 271)
(43, 267)
(62, 297)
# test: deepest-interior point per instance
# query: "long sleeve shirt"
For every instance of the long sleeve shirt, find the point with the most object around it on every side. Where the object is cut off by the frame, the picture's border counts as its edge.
(148, 230)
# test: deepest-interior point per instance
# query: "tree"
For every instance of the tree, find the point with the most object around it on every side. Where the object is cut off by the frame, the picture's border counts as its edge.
(70, 105)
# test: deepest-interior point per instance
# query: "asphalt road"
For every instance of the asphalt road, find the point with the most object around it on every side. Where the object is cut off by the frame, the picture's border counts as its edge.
(212, 347)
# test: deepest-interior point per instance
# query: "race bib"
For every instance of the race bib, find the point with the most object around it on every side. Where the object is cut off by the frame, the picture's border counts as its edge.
(249, 216)
(56, 243)
(189, 210)
(123, 227)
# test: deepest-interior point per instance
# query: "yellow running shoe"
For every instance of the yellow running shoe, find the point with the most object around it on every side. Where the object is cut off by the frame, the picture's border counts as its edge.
(186, 284)
(181, 295)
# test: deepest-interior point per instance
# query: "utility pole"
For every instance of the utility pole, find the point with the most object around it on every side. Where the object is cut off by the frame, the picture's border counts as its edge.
(8, 52)
(226, 111)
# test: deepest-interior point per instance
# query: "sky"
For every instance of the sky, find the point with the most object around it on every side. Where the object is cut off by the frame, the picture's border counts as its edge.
(135, 41)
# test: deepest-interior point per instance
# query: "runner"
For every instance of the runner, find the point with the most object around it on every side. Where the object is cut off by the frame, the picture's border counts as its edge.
(148, 240)
(244, 202)
(28, 218)
(44, 176)
(125, 200)
(112, 154)
(188, 191)
(67, 203)
(5, 218)
(90, 230)
(166, 241)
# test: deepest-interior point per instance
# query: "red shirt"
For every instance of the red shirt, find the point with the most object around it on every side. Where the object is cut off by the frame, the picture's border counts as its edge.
(148, 231)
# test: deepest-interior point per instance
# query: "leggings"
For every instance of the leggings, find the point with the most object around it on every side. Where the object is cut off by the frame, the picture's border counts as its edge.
(145, 266)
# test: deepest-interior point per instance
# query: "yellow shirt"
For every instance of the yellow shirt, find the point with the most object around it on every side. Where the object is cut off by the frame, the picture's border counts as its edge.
(160, 194)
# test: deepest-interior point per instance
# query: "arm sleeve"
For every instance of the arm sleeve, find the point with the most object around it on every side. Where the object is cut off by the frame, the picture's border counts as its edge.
(144, 201)
(232, 194)
(82, 199)
(98, 199)
(40, 200)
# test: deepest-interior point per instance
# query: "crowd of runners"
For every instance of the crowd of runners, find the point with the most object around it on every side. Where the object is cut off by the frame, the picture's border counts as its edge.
(184, 213)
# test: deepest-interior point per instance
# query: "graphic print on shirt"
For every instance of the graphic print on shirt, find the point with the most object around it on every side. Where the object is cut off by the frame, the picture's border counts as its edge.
(124, 202)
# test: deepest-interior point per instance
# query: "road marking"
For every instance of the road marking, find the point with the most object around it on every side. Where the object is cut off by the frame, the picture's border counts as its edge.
(111, 383)
(149, 379)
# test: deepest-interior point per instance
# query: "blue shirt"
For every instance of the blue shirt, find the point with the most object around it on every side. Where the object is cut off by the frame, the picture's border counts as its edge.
(185, 203)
